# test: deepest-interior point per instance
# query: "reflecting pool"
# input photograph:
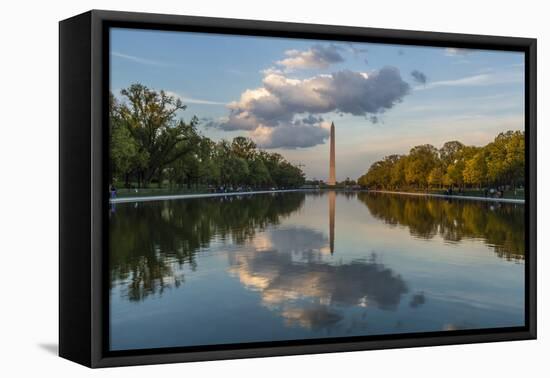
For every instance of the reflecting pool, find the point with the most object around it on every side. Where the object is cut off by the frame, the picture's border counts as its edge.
(286, 266)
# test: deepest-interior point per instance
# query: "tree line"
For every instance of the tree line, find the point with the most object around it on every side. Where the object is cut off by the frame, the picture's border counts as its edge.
(498, 164)
(150, 143)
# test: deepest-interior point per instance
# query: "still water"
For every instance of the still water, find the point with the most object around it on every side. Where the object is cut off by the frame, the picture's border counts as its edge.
(298, 265)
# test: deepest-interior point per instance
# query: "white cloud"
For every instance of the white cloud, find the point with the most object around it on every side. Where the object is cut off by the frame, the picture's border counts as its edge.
(282, 113)
(285, 112)
(477, 80)
(192, 100)
(281, 98)
(290, 136)
(453, 51)
(140, 60)
(474, 80)
(318, 56)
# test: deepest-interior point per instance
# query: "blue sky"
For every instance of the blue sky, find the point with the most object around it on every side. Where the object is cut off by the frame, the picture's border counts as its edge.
(284, 93)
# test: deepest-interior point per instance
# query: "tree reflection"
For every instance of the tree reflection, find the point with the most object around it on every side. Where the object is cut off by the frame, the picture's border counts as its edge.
(149, 243)
(501, 226)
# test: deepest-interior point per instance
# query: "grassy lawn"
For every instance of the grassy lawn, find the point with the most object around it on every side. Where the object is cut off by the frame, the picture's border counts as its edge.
(511, 194)
(146, 192)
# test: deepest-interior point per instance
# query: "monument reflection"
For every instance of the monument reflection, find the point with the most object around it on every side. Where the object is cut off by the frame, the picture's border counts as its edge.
(331, 218)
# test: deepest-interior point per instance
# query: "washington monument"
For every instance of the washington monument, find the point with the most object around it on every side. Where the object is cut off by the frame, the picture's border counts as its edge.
(332, 173)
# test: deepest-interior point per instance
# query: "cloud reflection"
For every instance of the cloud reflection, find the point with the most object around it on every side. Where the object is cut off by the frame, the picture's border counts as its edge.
(297, 279)
(311, 317)
(417, 300)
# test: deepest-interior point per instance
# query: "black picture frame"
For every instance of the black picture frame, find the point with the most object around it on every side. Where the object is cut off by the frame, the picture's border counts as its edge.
(83, 162)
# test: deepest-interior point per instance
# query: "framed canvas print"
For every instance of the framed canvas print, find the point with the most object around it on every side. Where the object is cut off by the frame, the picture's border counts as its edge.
(233, 188)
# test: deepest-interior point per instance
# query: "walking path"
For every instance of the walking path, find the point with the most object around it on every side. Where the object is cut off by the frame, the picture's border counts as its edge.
(456, 196)
(198, 195)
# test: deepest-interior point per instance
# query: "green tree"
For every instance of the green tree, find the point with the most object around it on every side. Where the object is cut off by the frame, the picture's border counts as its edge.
(450, 152)
(501, 162)
(259, 174)
(475, 169)
(421, 161)
(506, 158)
(435, 178)
(397, 174)
(124, 154)
(379, 174)
(151, 118)
(243, 147)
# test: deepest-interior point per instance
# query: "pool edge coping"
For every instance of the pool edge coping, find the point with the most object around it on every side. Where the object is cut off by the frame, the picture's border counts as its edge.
(210, 195)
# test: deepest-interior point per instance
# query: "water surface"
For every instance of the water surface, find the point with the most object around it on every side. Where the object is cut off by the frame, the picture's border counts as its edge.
(286, 266)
